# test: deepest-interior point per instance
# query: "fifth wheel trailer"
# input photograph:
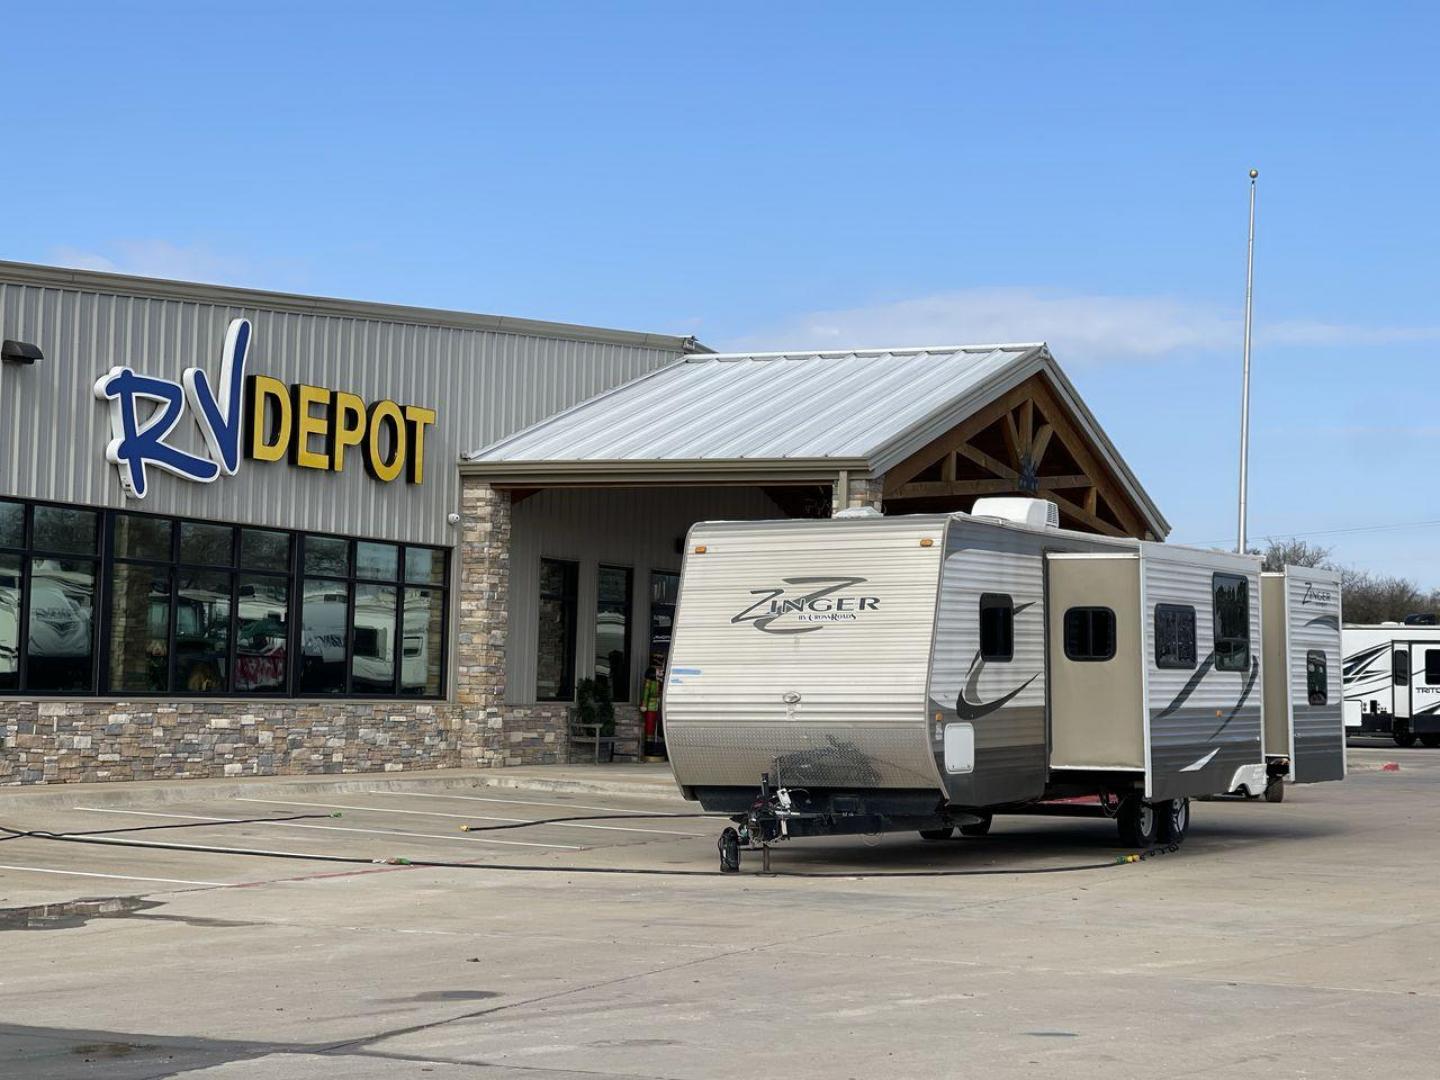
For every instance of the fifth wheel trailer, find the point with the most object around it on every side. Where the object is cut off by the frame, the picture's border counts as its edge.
(1392, 682)
(921, 672)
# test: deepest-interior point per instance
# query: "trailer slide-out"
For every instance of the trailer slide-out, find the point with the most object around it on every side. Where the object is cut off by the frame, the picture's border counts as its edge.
(868, 673)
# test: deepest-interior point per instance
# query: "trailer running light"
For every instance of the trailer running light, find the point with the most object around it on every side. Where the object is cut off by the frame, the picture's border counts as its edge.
(927, 542)
(699, 549)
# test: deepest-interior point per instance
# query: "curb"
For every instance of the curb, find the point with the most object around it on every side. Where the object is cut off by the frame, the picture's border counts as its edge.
(162, 792)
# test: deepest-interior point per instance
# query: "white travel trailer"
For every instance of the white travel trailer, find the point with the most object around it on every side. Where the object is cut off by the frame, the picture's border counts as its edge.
(1392, 682)
(928, 671)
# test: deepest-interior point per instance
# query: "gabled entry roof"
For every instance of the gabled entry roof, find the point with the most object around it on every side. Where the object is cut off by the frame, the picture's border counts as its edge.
(772, 417)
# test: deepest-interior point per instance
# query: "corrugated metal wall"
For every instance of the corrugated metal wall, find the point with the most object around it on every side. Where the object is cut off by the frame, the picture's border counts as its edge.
(634, 527)
(483, 385)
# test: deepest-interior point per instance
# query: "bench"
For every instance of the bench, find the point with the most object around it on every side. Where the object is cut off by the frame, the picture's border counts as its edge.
(583, 734)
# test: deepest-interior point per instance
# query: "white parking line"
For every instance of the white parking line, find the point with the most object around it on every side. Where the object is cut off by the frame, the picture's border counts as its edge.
(463, 817)
(114, 877)
(331, 828)
(513, 802)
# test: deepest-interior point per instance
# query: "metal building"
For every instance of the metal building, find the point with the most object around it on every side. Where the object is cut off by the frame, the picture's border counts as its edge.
(250, 533)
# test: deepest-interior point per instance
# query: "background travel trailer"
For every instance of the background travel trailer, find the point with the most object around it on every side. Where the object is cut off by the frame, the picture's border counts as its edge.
(1392, 682)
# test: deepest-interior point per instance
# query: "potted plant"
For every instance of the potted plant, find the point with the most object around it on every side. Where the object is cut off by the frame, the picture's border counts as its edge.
(595, 712)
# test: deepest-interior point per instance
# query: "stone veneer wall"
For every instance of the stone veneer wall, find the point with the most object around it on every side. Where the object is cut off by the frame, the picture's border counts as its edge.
(98, 739)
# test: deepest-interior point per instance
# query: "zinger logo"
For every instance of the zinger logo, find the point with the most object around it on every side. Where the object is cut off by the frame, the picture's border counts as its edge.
(826, 604)
(1317, 596)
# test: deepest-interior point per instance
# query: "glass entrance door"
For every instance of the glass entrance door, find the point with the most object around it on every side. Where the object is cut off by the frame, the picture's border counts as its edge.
(664, 590)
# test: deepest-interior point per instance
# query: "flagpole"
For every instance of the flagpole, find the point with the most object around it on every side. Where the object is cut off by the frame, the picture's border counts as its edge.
(1245, 388)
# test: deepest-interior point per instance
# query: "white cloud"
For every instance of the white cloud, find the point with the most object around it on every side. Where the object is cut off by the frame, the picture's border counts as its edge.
(162, 259)
(1080, 327)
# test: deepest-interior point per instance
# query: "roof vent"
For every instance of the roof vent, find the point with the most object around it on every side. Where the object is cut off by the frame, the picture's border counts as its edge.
(857, 512)
(1034, 513)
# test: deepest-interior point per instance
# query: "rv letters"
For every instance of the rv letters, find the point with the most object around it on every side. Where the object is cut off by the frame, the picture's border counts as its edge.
(311, 426)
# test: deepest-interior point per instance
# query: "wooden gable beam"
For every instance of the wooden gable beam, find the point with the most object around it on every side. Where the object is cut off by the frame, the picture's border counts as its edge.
(1075, 443)
(955, 438)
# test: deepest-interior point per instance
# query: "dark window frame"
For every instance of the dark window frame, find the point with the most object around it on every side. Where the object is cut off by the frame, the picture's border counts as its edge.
(569, 597)
(629, 637)
(1400, 666)
(1186, 614)
(1432, 667)
(1225, 657)
(1314, 657)
(103, 561)
(998, 602)
(1090, 613)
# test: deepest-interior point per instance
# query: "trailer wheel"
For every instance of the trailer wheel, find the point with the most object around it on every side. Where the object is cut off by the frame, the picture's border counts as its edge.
(1431, 741)
(1275, 790)
(979, 828)
(1402, 735)
(1138, 823)
(729, 845)
(1174, 823)
(938, 834)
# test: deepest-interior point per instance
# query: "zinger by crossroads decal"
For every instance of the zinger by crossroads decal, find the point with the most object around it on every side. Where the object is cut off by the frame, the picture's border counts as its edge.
(275, 420)
(816, 607)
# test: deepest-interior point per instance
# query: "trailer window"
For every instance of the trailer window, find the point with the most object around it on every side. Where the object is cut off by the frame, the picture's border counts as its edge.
(1231, 613)
(1090, 634)
(1432, 667)
(1317, 681)
(997, 627)
(1174, 636)
(1400, 667)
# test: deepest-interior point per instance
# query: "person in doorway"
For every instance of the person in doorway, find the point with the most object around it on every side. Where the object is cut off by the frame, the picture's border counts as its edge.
(650, 712)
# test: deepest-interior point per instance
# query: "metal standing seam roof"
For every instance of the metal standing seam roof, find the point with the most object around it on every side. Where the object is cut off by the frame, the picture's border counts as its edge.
(774, 413)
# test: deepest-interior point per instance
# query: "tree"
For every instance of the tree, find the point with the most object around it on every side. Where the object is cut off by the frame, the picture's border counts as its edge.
(1367, 597)
(1279, 554)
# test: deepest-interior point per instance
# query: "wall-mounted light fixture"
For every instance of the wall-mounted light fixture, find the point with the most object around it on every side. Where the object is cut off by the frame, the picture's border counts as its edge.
(20, 352)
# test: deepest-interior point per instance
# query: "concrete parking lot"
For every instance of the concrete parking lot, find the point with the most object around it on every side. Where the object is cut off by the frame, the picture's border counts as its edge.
(1288, 940)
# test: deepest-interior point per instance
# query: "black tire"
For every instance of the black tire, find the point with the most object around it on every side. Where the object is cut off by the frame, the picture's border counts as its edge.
(979, 828)
(1275, 790)
(1430, 741)
(1138, 823)
(729, 845)
(1403, 736)
(1174, 820)
(938, 834)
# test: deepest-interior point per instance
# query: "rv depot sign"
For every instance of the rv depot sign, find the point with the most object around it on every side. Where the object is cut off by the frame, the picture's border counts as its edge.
(271, 419)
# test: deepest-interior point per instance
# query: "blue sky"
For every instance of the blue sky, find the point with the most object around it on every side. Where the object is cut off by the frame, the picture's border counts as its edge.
(785, 175)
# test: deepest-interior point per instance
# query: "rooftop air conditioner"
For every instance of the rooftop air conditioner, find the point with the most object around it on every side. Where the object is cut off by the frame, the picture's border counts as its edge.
(1036, 513)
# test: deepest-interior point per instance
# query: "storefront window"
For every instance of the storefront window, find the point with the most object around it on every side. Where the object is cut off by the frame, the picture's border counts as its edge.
(423, 644)
(196, 608)
(139, 628)
(138, 537)
(12, 524)
(373, 639)
(202, 631)
(612, 630)
(325, 612)
(11, 580)
(555, 655)
(202, 544)
(264, 550)
(58, 528)
(262, 634)
(326, 555)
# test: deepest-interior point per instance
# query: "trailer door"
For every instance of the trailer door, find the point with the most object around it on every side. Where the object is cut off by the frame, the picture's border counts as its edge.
(1424, 688)
(1094, 646)
(1400, 676)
